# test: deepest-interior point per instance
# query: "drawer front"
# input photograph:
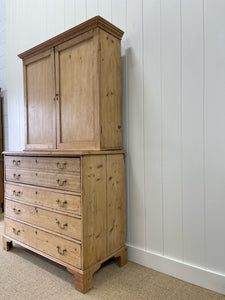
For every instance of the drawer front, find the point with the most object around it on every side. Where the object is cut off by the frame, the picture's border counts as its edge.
(60, 248)
(65, 225)
(67, 182)
(43, 163)
(43, 197)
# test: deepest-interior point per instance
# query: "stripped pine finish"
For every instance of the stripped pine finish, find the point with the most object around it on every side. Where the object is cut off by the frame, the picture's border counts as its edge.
(69, 206)
(49, 221)
(67, 84)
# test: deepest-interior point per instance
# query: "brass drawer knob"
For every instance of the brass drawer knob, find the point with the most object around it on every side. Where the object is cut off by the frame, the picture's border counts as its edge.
(16, 176)
(60, 182)
(59, 203)
(61, 227)
(16, 211)
(17, 194)
(61, 165)
(16, 232)
(63, 251)
(16, 162)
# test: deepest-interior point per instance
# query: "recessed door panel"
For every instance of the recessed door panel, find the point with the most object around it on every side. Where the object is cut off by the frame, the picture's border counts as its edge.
(77, 86)
(39, 97)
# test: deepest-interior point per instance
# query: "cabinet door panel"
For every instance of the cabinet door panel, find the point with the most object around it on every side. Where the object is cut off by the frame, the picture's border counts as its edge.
(39, 90)
(78, 88)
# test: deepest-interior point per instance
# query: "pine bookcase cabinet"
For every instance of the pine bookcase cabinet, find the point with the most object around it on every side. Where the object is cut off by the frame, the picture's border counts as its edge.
(68, 207)
(72, 88)
(65, 193)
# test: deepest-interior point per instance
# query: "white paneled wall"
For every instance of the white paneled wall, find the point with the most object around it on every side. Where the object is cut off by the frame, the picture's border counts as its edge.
(3, 72)
(173, 78)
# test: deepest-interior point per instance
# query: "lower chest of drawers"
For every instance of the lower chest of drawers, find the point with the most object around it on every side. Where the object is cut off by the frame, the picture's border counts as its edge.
(71, 209)
(43, 205)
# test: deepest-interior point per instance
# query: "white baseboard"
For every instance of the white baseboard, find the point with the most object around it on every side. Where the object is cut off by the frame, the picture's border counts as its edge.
(193, 274)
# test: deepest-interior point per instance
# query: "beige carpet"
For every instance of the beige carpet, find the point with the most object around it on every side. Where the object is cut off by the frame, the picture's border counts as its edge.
(25, 276)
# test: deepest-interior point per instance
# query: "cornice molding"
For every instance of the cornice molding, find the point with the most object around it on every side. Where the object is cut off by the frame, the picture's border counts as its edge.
(96, 22)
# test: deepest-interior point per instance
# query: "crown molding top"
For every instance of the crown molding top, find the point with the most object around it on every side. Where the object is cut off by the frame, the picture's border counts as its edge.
(95, 22)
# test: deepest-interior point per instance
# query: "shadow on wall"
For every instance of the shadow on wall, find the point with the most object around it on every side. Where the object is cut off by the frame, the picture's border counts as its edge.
(4, 119)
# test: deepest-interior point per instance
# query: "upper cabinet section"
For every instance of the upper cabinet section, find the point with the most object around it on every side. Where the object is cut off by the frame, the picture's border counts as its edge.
(72, 89)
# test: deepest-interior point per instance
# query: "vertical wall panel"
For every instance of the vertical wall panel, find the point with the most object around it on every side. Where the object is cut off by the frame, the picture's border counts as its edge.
(16, 82)
(171, 113)
(136, 213)
(119, 14)
(3, 83)
(153, 126)
(33, 28)
(215, 133)
(69, 14)
(19, 80)
(55, 17)
(192, 131)
(11, 74)
(92, 8)
(105, 9)
(80, 11)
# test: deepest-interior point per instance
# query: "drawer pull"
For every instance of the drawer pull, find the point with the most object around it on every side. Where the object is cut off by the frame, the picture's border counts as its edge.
(16, 211)
(16, 232)
(17, 194)
(16, 176)
(60, 183)
(61, 227)
(61, 205)
(61, 253)
(61, 166)
(16, 162)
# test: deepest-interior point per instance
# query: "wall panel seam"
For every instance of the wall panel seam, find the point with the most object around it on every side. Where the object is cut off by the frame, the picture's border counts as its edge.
(181, 127)
(204, 144)
(143, 120)
(162, 132)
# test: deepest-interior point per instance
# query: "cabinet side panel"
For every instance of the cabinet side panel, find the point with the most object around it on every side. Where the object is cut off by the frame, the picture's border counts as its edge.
(94, 209)
(1, 185)
(116, 202)
(1, 160)
(111, 109)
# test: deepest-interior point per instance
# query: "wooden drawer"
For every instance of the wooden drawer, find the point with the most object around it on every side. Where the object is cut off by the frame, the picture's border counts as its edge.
(46, 242)
(48, 220)
(47, 198)
(43, 163)
(67, 182)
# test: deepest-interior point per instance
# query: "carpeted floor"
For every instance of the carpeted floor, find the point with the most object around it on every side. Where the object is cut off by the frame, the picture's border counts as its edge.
(26, 276)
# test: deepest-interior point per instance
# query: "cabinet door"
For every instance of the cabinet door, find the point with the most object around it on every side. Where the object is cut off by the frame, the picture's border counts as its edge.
(77, 86)
(39, 92)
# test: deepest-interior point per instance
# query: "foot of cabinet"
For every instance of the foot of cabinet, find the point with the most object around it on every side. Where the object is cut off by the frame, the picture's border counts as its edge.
(7, 244)
(84, 279)
(122, 256)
